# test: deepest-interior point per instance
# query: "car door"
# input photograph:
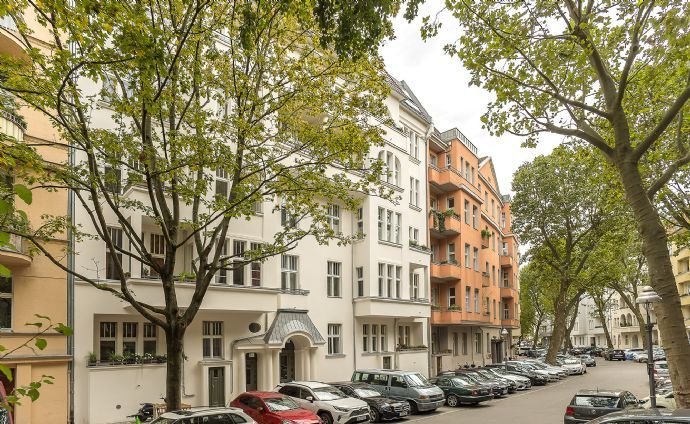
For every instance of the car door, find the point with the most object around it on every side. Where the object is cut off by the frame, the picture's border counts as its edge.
(253, 407)
(443, 384)
(630, 401)
(294, 393)
(312, 404)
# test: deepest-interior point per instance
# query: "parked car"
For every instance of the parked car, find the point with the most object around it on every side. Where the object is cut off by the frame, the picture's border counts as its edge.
(204, 414)
(523, 383)
(380, 407)
(329, 403)
(461, 390)
(273, 408)
(410, 386)
(665, 400)
(514, 385)
(574, 366)
(548, 375)
(498, 389)
(587, 405)
(588, 360)
(536, 379)
(646, 416)
(615, 355)
(556, 370)
(632, 351)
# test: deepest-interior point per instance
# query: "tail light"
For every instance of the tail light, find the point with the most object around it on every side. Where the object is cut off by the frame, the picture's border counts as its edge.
(569, 411)
(474, 393)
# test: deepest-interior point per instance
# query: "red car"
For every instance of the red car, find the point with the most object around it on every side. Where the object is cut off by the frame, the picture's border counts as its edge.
(273, 408)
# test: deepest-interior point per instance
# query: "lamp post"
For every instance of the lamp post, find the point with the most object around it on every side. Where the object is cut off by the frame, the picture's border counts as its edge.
(646, 298)
(504, 333)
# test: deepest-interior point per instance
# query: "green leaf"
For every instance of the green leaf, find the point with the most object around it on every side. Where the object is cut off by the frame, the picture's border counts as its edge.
(5, 207)
(41, 343)
(42, 317)
(4, 271)
(23, 192)
(35, 324)
(63, 329)
(6, 371)
(4, 238)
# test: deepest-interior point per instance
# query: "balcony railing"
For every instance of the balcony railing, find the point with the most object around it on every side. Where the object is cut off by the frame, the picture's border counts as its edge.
(12, 125)
(8, 23)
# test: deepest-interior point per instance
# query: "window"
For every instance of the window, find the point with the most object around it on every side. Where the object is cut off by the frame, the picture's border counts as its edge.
(112, 179)
(451, 253)
(109, 90)
(414, 234)
(451, 296)
(476, 259)
(475, 217)
(455, 344)
(472, 175)
(222, 183)
(5, 302)
(360, 222)
(382, 276)
(286, 218)
(113, 258)
(150, 339)
(414, 286)
(467, 212)
(255, 267)
(476, 300)
(486, 201)
(384, 339)
(334, 344)
(398, 226)
(365, 337)
(493, 208)
(389, 281)
(414, 191)
(333, 278)
(391, 167)
(381, 222)
(414, 145)
(467, 171)
(435, 294)
(450, 203)
(506, 311)
(389, 225)
(238, 265)
(157, 245)
(129, 338)
(467, 298)
(493, 274)
(222, 277)
(359, 271)
(494, 308)
(398, 282)
(464, 343)
(467, 255)
(433, 159)
(212, 339)
(333, 217)
(683, 265)
(477, 342)
(288, 272)
(374, 337)
(106, 342)
(404, 335)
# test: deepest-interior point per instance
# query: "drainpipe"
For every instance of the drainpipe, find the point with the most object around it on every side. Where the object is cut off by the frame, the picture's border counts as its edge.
(234, 343)
(428, 343)
(353, 272)
(70, 288)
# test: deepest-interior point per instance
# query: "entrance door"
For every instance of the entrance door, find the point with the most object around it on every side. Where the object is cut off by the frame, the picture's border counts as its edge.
(439, 364)
(287, 362)
(216, 386)
(252, 371)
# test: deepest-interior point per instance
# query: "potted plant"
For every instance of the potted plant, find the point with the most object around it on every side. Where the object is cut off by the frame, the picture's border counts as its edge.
(147, 358)
(161, 359)
(454, 307)
(92, 359)
(116, 359)
(486, 234)
(128, 358)
(435, 307)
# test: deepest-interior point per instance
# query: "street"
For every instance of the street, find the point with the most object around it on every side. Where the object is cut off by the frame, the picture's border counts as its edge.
(545, 404)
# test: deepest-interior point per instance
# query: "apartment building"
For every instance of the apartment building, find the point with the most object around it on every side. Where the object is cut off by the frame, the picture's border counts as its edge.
(36, 285)
(318, 312)
(474, 271)
(681, 268)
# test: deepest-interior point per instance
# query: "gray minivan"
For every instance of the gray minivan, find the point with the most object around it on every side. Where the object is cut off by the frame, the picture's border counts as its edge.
(406, 385)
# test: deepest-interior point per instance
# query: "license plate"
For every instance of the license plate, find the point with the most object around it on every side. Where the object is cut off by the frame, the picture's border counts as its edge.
(403, 414)
(362, 418)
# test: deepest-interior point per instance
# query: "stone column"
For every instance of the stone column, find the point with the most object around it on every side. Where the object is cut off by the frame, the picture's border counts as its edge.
(241, 372)
(267, 369)
(275, 355)
(312, 363)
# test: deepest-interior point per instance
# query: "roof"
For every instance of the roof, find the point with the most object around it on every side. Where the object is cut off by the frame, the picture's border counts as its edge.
(199, 411)
(676, 415)
(310, 384)
(289, 321)
(409, 100)
(599, 392)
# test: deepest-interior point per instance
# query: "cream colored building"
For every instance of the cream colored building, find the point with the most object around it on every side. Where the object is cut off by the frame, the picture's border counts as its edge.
(681, 268)
(36, 285)
(253, 331)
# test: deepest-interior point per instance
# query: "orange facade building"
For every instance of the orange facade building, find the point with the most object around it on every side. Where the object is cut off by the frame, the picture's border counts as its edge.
(474, 271)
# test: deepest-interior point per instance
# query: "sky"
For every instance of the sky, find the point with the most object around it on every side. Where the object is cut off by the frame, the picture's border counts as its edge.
(441, 84)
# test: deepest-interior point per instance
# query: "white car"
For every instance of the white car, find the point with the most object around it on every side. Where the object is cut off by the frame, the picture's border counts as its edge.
(523, 383)
(662, 401)
(574, 366)
(205, 414)
(329, 403)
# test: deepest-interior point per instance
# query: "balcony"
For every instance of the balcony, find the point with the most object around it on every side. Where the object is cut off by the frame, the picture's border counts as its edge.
(444, 179)
(12, 125)
(506, 261)
(510, 323)
(486, 279)
(685, 299)
(446, 316)
(441, 225)
(509, 293)
(445, 272)
(387, 307)
(485, 242)
(16, 253)
(683, 277)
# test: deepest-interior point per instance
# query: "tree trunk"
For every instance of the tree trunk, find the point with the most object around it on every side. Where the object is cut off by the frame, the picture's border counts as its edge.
(605, 327)
(536, 331)
(571, 325)
(174, 336)
(560, 325)
(668, 311)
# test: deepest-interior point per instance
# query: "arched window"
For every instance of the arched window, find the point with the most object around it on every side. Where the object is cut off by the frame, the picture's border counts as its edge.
(623, 324)
(392, 167)
(630, 321)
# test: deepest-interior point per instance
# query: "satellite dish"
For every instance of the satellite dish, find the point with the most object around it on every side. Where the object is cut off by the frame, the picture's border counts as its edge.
(254, 327)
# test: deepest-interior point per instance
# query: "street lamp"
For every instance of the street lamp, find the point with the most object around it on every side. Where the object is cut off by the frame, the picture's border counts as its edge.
(504, 333)
(646, 298)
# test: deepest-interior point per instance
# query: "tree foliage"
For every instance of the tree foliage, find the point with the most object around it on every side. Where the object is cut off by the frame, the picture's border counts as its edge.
(189, 113)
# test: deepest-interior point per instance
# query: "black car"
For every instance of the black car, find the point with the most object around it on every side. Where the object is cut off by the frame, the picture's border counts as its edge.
(536, 379)
(498, 389)
(461, 390)
(380, 408)
(587, 405)
(615, 355)
(656, 416)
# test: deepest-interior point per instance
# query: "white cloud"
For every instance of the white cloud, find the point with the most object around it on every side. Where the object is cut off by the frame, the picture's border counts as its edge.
(441, 84)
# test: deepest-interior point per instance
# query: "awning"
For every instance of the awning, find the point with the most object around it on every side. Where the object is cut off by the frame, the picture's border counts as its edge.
(288, 322)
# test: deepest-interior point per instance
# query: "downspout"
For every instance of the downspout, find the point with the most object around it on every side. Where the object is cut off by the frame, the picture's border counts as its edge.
(354, 280)
(234, 343)
(70, 288)
(429, 350)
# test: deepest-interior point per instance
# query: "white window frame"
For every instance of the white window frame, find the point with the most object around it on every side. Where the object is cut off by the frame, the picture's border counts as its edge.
(222, 177)
(212, 331)
(334, 278)
(150, 334)
(130, 330)
(398, 282)
(365, 338)
(452, 300)
(289, 272)
(255, 271)
(359, 272)
(333, 218)
(334, 339)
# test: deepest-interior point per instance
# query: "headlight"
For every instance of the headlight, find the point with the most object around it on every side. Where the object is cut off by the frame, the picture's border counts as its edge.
(387, 407)
(338, 408)
(423, 397)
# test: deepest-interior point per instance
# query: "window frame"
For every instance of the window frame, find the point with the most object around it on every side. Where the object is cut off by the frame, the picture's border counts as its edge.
(335, 339)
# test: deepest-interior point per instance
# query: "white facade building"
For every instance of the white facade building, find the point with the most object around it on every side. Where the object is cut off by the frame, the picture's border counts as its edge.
(363, 305)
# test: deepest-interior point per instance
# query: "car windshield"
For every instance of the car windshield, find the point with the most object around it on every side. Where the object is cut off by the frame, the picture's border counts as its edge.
(416, 380)
(572, 361)
(537, 365)
(661, 366)
(367, 393)
(328, 393)
(585, 356)
(596, 401)
(478, 376)
(461, 382)
(277, 404)
(528, 366)
(487, 374)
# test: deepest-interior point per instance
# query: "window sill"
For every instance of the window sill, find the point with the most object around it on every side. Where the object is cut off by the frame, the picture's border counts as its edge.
(414, 160)
(390, 243)
(334, 297)
(415, 207)
(335, 355)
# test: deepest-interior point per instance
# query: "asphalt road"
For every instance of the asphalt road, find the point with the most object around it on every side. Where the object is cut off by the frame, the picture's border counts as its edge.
(544, 404)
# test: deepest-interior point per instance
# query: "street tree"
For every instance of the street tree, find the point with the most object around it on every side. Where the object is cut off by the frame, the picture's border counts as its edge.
(535, 308)
(211, 107)
(561, 211)
(613, 74)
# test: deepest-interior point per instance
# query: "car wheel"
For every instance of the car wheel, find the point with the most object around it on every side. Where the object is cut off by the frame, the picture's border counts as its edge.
(374, 415)
(413, 407)
(326, 418)
(452, 400)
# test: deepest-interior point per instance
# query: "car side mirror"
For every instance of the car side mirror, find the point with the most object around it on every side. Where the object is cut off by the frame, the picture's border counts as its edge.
(261, 409)
(310, 399)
